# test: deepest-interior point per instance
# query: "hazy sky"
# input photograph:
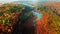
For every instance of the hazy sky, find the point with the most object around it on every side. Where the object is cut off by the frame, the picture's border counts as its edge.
(50, 0)
(15, 0)
(7, 0)
(26, 0)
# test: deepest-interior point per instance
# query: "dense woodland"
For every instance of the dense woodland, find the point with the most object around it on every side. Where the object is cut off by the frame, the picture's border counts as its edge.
(19, 19)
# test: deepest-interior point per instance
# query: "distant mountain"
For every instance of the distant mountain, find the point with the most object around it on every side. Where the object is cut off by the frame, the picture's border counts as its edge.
(23, 2)
(32, 3)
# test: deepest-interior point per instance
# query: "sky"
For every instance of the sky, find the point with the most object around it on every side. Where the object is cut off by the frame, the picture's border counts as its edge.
(27, 0)
(15, 0)
(50, 0)
(7, 0)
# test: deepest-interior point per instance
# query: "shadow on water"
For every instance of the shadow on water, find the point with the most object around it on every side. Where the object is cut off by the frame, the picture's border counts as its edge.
(24, 25)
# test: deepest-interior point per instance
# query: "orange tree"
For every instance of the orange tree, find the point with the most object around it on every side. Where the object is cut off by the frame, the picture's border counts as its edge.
(52, 25)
